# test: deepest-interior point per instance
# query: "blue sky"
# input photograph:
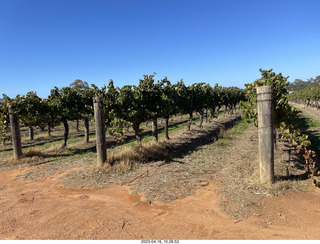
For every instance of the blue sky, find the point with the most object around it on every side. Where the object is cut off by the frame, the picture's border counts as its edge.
(47, 43)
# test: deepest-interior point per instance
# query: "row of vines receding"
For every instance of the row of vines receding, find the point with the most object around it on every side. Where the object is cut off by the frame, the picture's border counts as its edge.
(123, 107)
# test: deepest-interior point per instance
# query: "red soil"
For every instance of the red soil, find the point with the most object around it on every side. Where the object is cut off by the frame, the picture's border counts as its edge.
(43, 209)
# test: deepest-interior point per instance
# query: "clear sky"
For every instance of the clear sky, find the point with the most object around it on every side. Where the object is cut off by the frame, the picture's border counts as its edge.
(47, 43)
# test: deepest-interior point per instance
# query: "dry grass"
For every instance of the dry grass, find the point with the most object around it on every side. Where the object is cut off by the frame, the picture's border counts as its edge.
(42, 153)
(33, 153)
(25, 159)
(54, 149)
(166, 171)
(129, 158)
(239, 177)
(31, 156)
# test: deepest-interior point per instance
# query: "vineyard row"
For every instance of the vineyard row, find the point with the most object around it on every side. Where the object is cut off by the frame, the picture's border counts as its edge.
(123, 107)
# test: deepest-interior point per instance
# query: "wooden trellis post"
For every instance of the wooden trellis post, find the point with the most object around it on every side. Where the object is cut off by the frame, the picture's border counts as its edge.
(100, 131)
(16, 135)
(154, 130)
(265, 133)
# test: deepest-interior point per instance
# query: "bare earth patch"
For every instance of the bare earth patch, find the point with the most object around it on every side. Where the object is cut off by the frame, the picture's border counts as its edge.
(206, 189)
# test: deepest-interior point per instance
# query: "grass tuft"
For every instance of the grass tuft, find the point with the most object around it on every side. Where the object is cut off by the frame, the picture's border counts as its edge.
(33, 153)
(130, 157)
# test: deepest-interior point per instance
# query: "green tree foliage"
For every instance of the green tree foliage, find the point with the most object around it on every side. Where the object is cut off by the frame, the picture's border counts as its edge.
(114, 123)
(131, 109)
(199, 99)
(4, 118)
(50, 115)
(31, 112)
(309, 95)
(9, 106)
(215, 100)
(235, 95)
(168, 102)
(149, 95)
(79, 85)
(69, 105)
(185, 101)
(86, 97)
(283, 112)
(133, 105)
(299, 84)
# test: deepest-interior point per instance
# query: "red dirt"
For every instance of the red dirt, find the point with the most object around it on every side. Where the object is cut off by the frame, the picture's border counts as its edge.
(43, 209)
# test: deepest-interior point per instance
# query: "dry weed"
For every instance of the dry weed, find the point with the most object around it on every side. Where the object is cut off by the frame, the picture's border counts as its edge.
(11, 161)
(31, 156)
(130, 157)
(33, 153)
(240, 176)
(119, 168)
(54, 149)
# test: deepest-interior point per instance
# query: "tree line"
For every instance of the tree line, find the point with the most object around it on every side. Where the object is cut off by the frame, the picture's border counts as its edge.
(129, 105)
(308, 94)
(300, 84)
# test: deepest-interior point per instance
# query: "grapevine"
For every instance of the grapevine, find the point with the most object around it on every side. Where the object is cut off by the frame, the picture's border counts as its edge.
(283, 112)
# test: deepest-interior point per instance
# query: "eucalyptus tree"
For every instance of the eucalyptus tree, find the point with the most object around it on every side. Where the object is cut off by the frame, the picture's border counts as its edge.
(79, 86)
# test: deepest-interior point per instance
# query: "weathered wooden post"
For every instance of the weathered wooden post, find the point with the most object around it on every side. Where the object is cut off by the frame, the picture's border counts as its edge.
(86, 134)
(16, 135)
(100, 131)
(154, 130)
(265, 131)
(31, 133)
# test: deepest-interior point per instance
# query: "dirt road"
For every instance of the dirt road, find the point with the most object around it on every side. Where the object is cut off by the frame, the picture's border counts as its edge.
(44, 210)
